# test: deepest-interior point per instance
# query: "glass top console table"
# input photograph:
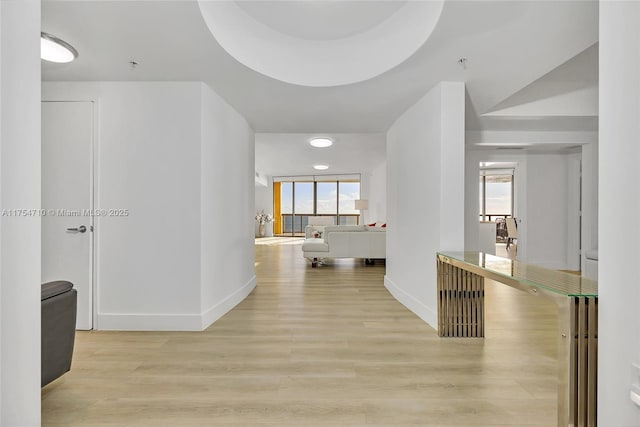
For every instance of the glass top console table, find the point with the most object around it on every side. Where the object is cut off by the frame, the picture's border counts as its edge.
(461, 314)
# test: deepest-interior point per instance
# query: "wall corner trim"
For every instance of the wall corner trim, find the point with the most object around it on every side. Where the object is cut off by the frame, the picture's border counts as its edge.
(223, 307)
(171, 321)
(428, 315)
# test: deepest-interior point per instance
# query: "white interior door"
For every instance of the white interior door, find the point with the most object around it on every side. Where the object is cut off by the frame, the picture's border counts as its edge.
(67, 200)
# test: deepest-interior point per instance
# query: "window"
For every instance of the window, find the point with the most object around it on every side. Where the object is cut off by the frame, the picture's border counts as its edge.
(304, 205)
(286, 197)
(326, 198)
(284, 215)
(349, 192)
(496, 193)
(298, 198)
(303, 198)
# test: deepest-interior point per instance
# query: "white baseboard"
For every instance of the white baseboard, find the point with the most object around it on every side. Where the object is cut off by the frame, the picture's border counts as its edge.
(148, 322)
(173, 322)
(424, 312)
(224, 306)
(551, 265)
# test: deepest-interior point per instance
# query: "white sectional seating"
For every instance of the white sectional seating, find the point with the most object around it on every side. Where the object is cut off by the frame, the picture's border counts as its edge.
(344, 241)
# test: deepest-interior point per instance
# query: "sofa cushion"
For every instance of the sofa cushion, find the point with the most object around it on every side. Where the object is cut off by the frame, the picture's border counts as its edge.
(315, 245)
(309, 231)
(369, 228)
(332, 228)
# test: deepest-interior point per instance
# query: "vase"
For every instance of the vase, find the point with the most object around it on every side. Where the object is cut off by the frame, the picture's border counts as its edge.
(261, 230)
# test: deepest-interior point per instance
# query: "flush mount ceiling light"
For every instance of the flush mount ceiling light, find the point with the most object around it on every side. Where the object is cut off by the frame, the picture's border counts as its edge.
(55, 50)
(321, 167)
(321, 142)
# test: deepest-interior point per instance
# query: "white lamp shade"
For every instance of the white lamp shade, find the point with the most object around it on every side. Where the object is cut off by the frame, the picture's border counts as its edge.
(361, 205)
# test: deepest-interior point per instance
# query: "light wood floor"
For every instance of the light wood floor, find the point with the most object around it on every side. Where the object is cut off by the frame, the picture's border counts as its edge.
(317, 347)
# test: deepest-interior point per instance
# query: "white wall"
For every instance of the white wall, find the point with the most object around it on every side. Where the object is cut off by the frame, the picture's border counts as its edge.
(19, 235)
(264, 200)
(589, 199)
(354, 158)
(472, 202)
(471, 199)
(542, 139)
(573, 221)
(546, 214)
(166, 152)
(149, 158)
(372, 188)
(619, 210)
(377, 195)
(425, 195)
(227, 162)
(546, 204)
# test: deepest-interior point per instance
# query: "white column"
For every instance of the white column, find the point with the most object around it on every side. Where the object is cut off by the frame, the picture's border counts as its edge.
(619, 212)
(20, 235)
(425, 195)
(452, 166)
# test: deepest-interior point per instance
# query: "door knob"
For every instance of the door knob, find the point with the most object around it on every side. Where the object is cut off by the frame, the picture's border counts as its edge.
(80, 229)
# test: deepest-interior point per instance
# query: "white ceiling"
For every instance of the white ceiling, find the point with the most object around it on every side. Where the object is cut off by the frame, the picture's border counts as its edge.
(320, 20)
(291, 154)
(509, 45)
(570, 90)
(325, 60)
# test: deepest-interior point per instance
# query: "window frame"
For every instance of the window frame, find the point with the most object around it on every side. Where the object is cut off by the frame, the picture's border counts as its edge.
(280, 226)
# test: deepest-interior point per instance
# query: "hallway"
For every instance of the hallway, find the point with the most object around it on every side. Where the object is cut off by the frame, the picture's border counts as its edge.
(317, 347)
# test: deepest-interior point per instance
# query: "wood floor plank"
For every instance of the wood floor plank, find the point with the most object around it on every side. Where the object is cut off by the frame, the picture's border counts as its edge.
(327, 346)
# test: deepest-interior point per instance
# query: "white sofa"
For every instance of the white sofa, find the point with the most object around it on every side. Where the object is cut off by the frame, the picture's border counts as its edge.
(344, 241)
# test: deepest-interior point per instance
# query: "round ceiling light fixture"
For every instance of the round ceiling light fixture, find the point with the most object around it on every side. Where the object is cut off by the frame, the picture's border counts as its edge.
(53, 49)
(321, 167)
(321, 142)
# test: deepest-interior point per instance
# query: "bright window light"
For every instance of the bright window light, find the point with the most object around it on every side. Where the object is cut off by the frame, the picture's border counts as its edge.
(55, 50)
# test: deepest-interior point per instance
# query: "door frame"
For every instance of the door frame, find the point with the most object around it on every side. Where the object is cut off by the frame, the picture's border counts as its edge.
(574, 211)
(93, 220)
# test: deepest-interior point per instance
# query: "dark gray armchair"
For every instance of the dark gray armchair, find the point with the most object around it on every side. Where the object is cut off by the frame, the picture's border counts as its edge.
(58, 328)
